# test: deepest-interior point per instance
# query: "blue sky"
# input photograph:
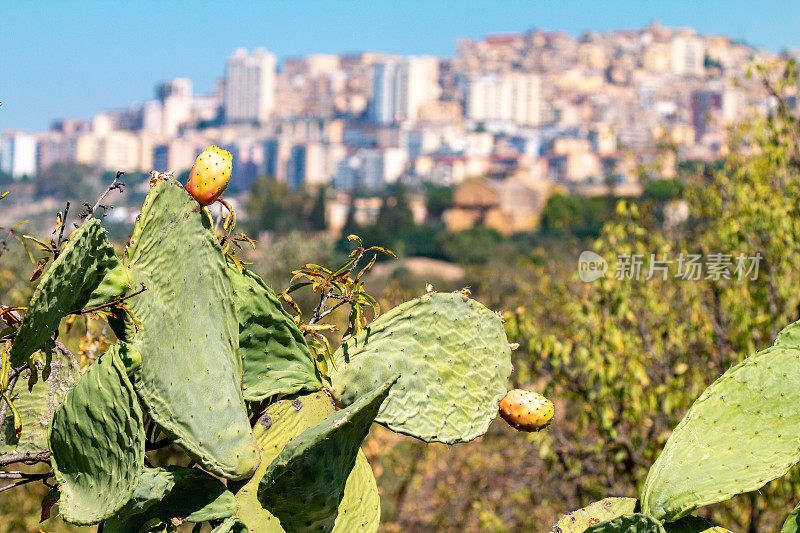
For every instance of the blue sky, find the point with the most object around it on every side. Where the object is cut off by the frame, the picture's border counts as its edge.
(72, 58)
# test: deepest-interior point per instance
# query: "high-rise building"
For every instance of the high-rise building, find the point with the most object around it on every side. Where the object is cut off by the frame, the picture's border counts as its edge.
(175, 87)
(401, 88)
(512, 97)
(687, 55)
(18, 154)
(249, 86)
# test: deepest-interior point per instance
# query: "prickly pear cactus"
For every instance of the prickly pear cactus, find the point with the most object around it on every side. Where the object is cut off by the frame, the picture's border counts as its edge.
(275, 357)
(191, 373)
(37, 407)
(605, 509)
(164, 494)
(741, 433)
(789, 336)
(305, 484)
(453, 358)
(360, 510)
(65, 288)
(792, 522)
(281, 423)
(97, 442)
(628, 523)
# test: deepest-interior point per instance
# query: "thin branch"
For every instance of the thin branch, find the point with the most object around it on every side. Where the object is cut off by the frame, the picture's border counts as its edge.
(329, 311)
(26, 458)
(115, 302)
(60, 242)
(3, 404)
(37, 477)
(115, 185)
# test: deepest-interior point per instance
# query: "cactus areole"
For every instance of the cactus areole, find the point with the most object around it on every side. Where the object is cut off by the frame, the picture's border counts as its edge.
(526, 410)
(210, 175)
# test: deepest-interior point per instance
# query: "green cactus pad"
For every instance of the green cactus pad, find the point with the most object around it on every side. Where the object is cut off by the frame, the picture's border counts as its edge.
(605, 509)
(360, 509)
(250, 511)
(37, 407)
(792, 522)
(628, 523)
(190, 374)
(65, 288)
(740, 434)
(282, 422)
(454, 360)
(305, 484)
(790, 335)
(162, 494)
(275, 357)
(97, 442)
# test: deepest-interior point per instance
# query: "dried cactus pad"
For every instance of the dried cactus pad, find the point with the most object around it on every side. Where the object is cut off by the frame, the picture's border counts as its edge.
(305, 484)
(275, 357)
(174, 492)
(281, 423)
(97, 442)
(190, 377)
(37, 407)
(65, 288)
(453, 358)
(740, 434)
(640, 523)
(605, 509)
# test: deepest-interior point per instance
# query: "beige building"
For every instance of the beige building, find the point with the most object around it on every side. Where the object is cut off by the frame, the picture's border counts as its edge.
(508, 206)
(510, 97)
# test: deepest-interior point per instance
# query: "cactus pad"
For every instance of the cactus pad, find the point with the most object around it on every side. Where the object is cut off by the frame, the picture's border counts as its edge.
(190, 374)
(792, 522)
(628, 523)
(283, 421)
(97, 442)
(360, 509)
(162, 494)
(454, 360)
(37, 407)
(605, 509)
(741, 433)
(305, 484)
(65, 288)
(275, 357)
(790, 335)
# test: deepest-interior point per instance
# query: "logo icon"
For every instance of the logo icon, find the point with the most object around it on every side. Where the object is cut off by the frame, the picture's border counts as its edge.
(591, 266)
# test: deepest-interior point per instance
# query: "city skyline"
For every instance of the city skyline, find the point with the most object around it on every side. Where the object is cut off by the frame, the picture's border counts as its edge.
(42, 80)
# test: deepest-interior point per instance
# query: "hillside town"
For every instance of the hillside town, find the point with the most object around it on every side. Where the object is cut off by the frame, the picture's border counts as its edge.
(505, 122)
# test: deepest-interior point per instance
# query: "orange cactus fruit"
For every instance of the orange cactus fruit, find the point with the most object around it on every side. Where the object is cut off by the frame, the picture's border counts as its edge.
(526, 411)
(210, 175)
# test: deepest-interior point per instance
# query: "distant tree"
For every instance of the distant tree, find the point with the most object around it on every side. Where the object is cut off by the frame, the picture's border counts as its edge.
(437, 199)
(316, 217)
(663, 190)
(272, 206)
(68, 181)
